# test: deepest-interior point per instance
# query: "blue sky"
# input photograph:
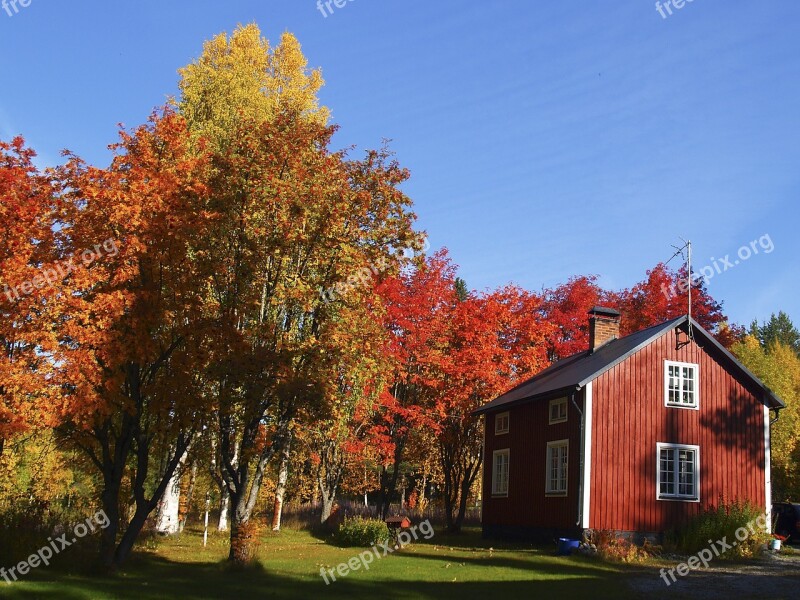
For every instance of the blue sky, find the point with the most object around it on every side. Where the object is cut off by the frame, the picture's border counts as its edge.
(545, 139)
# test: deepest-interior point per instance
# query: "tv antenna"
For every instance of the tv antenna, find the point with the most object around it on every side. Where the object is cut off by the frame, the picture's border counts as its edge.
(687, 246)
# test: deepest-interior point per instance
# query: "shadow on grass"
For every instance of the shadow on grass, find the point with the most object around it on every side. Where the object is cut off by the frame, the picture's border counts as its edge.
(150, 577)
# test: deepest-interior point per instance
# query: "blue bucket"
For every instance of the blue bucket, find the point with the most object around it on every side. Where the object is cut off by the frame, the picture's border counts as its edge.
(566, 546)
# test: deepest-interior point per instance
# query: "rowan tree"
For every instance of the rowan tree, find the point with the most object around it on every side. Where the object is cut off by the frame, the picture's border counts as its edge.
(496, 340)
(27, 216)
(131, 325)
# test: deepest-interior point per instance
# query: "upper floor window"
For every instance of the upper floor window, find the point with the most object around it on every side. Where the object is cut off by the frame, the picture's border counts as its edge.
(678, 472)
(501, 423)
(681, 387)
(558, 410)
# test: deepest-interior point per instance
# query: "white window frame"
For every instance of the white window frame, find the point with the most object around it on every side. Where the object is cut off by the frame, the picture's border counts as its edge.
(558, 402)
(500, 430)
(562, 469)
(675, 448)
(695, 384)
(497, 491)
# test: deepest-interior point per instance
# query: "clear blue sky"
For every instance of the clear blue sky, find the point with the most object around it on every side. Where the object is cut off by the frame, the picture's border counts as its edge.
(546, 139)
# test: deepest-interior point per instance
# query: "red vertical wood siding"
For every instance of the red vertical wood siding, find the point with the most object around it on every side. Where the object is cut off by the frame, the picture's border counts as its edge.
(529, 433)
(629, 418)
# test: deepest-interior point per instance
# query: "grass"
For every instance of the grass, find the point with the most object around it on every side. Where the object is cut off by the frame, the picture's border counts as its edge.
(462, 567)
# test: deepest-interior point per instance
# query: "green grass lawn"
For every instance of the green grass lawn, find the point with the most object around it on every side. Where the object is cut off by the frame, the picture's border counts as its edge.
(460, 567)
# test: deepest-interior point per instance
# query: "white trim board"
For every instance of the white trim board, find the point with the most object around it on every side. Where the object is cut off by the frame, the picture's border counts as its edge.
(587, 456)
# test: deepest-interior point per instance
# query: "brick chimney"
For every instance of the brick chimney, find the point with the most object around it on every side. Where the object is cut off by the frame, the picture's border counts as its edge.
(603, 326)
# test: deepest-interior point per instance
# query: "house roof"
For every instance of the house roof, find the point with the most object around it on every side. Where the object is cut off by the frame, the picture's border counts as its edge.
(579, 369)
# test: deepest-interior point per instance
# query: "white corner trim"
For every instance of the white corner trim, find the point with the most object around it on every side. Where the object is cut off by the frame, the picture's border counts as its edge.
(768, 468)
(587, 456)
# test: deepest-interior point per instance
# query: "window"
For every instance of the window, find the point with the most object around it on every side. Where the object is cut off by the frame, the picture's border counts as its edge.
(558, 411)
(501, 424)
(680, 384)
(678, 472)
(500, 473)
(557, 468)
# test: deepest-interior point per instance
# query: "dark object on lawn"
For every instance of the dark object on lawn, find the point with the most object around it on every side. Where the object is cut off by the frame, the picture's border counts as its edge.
(786, 516)
(566, 546)
(398, 522)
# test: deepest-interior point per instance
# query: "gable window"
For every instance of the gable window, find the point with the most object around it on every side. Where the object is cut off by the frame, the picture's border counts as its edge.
(501, 423)
(500, 464)
(557, 460)
(558, 411)
(678, 472)
(681, 388)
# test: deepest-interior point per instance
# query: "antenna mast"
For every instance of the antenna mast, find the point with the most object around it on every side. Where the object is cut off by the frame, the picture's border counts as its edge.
(689, 275)
(687, 245)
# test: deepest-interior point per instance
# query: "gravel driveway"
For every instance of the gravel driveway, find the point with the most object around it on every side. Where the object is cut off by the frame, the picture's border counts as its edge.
(773, 577)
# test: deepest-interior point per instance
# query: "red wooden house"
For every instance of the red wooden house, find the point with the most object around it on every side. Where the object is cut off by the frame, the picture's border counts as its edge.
(634, 435)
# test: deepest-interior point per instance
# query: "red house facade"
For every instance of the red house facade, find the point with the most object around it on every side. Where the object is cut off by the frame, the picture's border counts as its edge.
(635, 435)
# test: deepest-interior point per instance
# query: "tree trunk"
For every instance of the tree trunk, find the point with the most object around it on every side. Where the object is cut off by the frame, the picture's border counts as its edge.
(244, 483)
(327, 506)
(389, 480)
(224, 509)
(329, 476)
(280, 490)
(108, 537)
(186, 498)
(168, 515)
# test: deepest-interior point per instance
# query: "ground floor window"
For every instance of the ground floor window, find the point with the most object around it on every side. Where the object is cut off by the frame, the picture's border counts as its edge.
(678, 472)
(557, 462)
(500, 473)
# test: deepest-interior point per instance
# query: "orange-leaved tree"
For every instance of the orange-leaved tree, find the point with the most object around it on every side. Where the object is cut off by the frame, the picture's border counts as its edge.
(27, 213)
(131, 320)
(496, 340)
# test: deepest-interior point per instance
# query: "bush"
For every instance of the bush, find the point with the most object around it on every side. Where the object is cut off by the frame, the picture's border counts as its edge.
(27, 525)
(718, 522)
(610, 546)
(359, 531)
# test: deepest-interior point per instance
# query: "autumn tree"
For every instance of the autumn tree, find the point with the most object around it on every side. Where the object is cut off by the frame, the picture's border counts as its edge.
(778, 366)
(661, 296)
(27, 216)
(495, 340)
(566, 307)
(131, 327)
(419, 304)
(290, 219)
(352, 377)
(664, 295)
(241, 78)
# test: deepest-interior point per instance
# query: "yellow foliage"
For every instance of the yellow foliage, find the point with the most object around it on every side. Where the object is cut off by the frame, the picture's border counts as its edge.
(241, 78)
(779, 368)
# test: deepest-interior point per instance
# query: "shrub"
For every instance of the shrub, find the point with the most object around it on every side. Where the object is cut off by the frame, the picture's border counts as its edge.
(718, 522)
(362, 532)
(612, 547)
(27, 525)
